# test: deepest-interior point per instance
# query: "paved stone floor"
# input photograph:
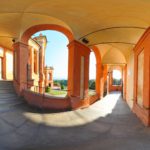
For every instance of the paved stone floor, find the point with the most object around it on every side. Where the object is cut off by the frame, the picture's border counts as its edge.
(106, 125)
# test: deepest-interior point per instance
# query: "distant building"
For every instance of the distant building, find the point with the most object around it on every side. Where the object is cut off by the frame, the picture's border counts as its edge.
(48, 71)
(39, 76)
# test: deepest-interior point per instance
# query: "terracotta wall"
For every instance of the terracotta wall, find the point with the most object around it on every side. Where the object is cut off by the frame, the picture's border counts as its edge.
(130, 79)
(142, 110)
(77, 51)
(46, 102)
(115, 88)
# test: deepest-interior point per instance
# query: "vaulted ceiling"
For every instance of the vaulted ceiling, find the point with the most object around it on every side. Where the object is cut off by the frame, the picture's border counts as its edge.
(109, 24)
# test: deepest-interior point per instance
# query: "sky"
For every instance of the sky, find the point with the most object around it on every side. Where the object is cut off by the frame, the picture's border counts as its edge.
(57, 54)
(116, 74)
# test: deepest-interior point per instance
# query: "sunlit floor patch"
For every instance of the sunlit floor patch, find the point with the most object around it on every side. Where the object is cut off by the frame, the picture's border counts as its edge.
(79, 117)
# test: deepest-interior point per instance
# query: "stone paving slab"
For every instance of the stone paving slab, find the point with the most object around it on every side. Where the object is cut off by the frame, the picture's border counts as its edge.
(108, 124)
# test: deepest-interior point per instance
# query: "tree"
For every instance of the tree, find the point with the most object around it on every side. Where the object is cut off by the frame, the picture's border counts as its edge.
(92, 84)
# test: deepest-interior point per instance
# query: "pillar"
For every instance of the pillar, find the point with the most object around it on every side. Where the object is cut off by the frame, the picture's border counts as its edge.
(110, 81)
(124, 81)
(98, 70)
(41, 69)
(104, 81)
(20, 67)
(98, 78)
(78, 74)
(4, 65)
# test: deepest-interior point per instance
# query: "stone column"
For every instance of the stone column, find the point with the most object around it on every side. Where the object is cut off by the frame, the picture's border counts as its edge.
(104, 80)
(78, 74)
(124, 81)
(98, 78)
(20, 67)
(41, 70)
(4, 65)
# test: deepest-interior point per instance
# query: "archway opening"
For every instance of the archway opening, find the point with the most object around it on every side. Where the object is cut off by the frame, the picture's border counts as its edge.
(48, 62)
(92, 74)
(116, 77)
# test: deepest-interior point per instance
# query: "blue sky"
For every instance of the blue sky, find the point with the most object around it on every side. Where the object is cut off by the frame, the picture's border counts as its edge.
(57, 54)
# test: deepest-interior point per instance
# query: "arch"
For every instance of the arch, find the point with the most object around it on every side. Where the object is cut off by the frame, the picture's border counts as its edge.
(30, 31)
(98, 68)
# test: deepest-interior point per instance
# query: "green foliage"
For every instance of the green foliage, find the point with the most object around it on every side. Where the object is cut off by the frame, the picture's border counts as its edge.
(47, 89)
(61, 83)
(62, 87)
(116, 81)
(92, 84)
(58, 92)
(57, 83)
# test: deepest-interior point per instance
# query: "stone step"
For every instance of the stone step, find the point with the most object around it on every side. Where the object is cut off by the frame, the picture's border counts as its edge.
(6, 85)
(8, 96)
(7, 91)
(8, 101)
(12, 99)
(6, 88)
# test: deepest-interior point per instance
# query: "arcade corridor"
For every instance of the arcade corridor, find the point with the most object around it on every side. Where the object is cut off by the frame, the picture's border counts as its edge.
(107, 124)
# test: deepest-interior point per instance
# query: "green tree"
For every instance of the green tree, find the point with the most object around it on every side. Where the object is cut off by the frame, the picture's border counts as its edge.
(92, 84)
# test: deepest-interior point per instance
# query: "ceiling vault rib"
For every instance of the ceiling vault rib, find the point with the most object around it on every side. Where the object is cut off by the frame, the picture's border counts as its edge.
(23, 12)
(110, 28)
(112, 43)
(11, 37)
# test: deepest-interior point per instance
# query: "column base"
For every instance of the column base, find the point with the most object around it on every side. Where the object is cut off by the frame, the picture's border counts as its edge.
(77, 103)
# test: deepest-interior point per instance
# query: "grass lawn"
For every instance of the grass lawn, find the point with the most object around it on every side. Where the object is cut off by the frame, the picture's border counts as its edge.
(57, 92)
(91, 92)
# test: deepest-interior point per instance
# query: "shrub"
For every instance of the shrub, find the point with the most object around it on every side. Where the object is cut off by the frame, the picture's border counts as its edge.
(48, 89)
(62, 87)
(92, 85)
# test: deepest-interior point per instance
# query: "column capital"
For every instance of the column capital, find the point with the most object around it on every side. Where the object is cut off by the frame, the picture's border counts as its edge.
(77, 44)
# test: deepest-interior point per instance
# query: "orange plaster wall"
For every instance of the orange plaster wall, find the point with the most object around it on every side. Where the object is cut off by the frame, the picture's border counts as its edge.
(130, 80)
(124, 81)
(143, 45)
(104, 79)
(98, 69)
(22, 60)
(76, 51)
(115, 88)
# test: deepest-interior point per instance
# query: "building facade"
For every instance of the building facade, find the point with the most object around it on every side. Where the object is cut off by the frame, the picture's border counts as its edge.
(39, 75)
